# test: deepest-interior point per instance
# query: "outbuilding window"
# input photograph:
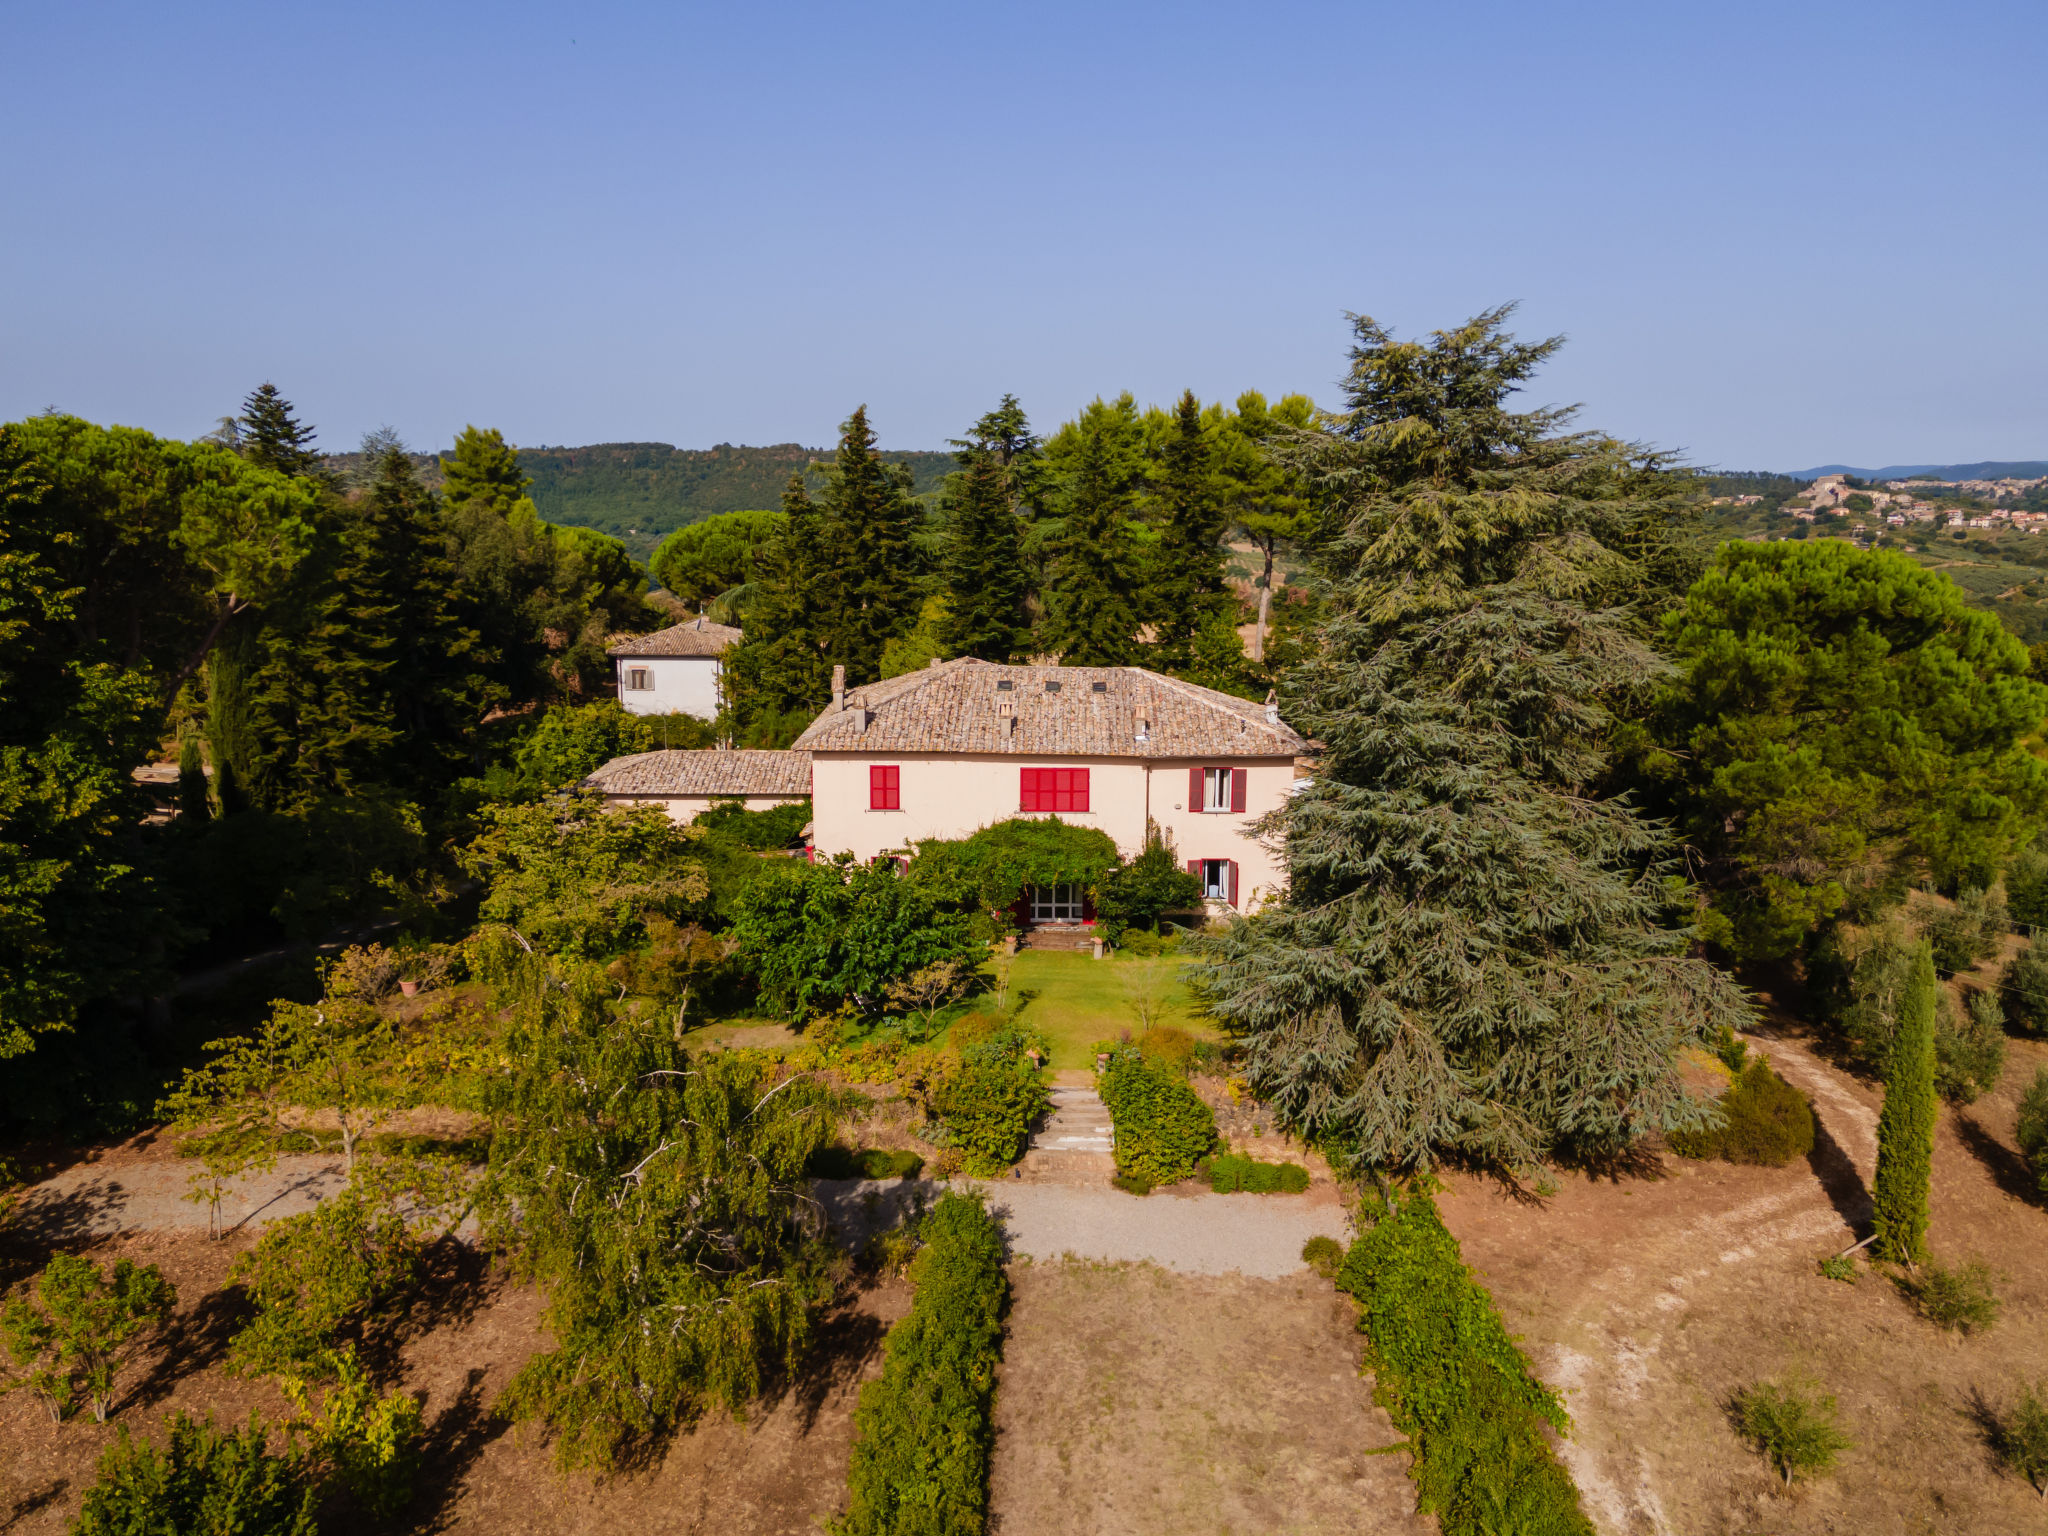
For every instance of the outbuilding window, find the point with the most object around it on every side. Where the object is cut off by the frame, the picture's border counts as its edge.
(639, 679)
(885, 787)
(1052, 789)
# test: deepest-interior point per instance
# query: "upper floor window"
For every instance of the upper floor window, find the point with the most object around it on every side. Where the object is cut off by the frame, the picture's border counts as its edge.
(1053, 789)
(1217, 789)
(885, 787)
(640, 678)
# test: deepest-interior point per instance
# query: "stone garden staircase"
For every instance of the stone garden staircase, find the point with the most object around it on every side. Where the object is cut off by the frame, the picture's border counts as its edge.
(1073, 1146)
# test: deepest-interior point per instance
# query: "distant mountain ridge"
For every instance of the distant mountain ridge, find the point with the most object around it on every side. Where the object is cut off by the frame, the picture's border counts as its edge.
(638, 492)
(1989, 469)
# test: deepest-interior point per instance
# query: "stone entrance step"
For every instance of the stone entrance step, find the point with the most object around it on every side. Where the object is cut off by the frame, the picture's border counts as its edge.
(1061, 936)
(1079, 1122)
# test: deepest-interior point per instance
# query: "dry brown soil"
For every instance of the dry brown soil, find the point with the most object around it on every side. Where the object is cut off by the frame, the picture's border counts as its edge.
(780, 1473)
(1136, 1401)
(1653, 1296)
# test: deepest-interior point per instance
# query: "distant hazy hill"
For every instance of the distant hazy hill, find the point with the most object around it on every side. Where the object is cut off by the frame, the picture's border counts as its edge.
(1990, 469)
(638, 492)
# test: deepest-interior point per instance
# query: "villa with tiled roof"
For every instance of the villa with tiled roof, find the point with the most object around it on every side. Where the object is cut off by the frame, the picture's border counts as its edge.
(963, 744)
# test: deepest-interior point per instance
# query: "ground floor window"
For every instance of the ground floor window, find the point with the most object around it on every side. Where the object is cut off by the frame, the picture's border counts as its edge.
(1219, 879)
(640, 679)
(1055, 903)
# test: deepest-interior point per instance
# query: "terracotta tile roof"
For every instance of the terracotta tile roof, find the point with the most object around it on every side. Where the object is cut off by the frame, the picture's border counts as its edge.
(963, 706)
(692, 637)
(710, 772)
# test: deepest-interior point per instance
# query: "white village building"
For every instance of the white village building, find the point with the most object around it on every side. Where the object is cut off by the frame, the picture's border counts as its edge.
(674, 670)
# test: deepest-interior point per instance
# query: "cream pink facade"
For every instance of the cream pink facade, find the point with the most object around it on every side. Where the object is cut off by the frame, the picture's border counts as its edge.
(949, 795)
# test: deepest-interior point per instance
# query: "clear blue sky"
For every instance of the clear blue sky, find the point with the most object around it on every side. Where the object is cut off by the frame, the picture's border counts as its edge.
(1776, 234)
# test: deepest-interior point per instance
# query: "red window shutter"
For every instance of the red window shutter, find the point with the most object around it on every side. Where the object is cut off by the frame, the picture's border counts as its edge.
(1194, 789)
(1027, 789)
(885, 787)
(1195, 868)
(1238, 780)
(1232, 887)
(1080, 789)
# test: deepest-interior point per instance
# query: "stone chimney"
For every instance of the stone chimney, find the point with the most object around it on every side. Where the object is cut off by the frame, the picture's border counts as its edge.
(839, 688)
(1272, 706)
(933, 663)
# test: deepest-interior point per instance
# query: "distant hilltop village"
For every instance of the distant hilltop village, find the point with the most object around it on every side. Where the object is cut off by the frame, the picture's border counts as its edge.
(1990, 503)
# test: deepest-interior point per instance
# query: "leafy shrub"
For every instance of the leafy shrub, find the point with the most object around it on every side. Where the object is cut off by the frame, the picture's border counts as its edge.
(988, 1102)
(1323, 1255)
(1231, 1174)
(1764, 1119)
(1130, 900)
(1456, 1385)
(2031, 1130)
(2021, 1439)
(1968, 931)
(2023, 988)
(77, 1327)
(1161, 1126)
(1969, 1054)
(924, 1430)
(1839, 1266)
(2026, 886)
(203, 1480)
(1793, 1427)
(367, 1443)
(837, 1162)
(1961, 1298)
(762, 831)
(313, 1276)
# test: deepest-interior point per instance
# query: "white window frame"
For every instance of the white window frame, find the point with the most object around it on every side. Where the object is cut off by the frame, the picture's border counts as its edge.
(1216, 789)
(1216, 879)
(1056, 903)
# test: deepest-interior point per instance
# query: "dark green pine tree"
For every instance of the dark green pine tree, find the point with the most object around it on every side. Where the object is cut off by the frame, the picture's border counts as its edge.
(483, 472)
(1477, 955)
(1187, 588)
(778, 677)
(869, 583)
(1091, 599)
(273, 437)
(985, 575)
(1905, 1127)
(193, 805)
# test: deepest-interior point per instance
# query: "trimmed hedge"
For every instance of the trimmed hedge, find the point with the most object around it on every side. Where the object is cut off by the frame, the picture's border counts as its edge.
(1232, 1174)
(1455, 1384)
(1764, 1119)
(924, 1429)
(1162, 1127)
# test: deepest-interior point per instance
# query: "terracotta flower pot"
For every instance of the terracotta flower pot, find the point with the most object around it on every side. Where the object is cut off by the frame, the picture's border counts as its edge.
(409, 988)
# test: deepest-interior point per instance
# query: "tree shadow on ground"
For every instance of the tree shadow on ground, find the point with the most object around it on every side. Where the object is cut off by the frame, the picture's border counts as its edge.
(1836, 1170)
(2007, 1168)
(846, 1340)
(1639, 1160)
(450, 1447)
(455, 1280)
(196, 1341)
(34, 1503)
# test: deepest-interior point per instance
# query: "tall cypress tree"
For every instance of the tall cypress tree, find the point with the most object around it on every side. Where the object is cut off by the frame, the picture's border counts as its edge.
(868, 584)
(1091, 597)
(193, 805)
(986, 581)
(273, 437)
(779, 676)
(1476, 955)
(1905, 1127)
(1187, 575)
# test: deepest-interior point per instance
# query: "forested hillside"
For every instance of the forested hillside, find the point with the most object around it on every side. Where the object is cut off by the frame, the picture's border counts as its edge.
(636, 492)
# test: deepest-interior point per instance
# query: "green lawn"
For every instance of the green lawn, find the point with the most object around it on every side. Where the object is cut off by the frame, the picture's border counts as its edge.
(1069, 996)
(1076, 1000)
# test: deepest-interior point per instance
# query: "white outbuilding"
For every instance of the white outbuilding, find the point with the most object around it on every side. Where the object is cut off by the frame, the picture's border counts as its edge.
(674, 670)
